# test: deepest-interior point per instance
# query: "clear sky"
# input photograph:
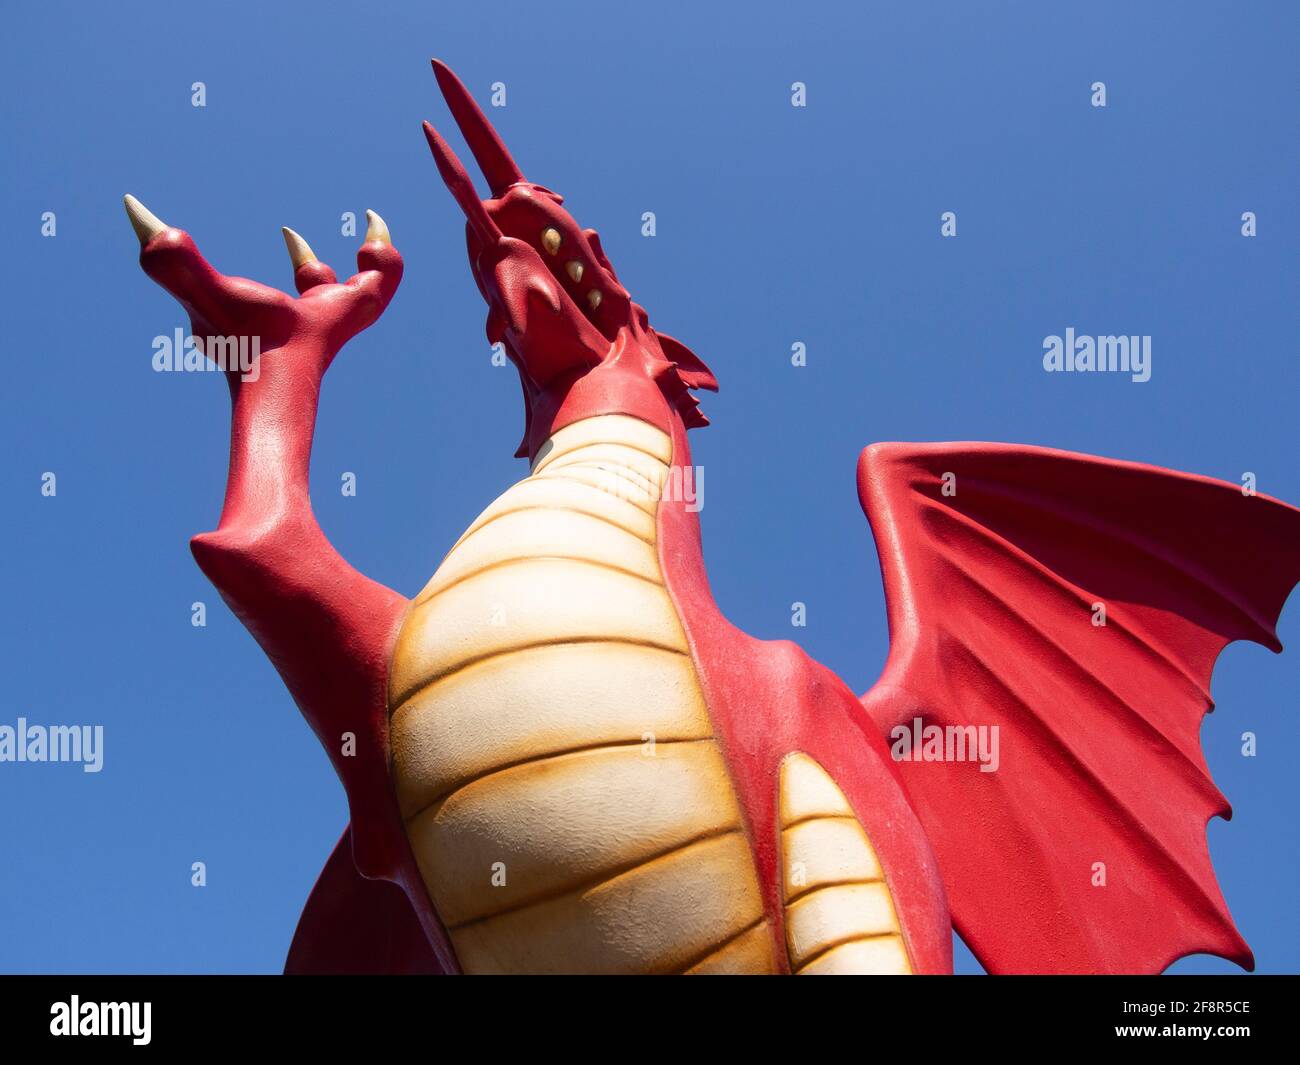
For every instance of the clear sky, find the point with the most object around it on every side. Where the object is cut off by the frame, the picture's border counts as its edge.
(775, 225)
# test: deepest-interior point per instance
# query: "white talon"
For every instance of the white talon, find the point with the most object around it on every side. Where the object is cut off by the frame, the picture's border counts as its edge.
(377, 229)
(145, 223)
(299, 250)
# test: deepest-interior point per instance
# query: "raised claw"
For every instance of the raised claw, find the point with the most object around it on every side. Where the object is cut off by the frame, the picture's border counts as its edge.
(377, 229)
(489, 150)
(145, 223)
(300, 252)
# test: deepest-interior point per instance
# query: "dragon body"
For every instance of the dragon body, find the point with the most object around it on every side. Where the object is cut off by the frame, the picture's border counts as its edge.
(551, 735)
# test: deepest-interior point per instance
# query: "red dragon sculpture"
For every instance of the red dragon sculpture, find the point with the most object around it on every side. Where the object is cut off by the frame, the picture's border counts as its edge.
(560, 756)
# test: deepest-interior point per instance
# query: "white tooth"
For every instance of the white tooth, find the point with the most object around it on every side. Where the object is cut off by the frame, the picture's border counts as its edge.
(299, 250)
(145, 223)
(575, 270)
(377, 229)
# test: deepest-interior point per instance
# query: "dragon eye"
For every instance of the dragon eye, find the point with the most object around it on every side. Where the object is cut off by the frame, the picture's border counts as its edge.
(551, 240)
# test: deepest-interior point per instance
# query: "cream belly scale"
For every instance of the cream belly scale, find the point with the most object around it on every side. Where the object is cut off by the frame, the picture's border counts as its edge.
(556, 770)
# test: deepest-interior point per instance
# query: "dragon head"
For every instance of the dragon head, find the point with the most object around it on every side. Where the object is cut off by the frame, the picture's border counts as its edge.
(581, 344)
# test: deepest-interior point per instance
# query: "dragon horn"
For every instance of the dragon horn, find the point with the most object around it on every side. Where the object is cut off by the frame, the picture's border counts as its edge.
(462, 188)
(490, 152)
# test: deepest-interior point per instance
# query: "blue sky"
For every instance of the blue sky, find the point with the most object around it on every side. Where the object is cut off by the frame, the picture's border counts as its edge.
(775, 225)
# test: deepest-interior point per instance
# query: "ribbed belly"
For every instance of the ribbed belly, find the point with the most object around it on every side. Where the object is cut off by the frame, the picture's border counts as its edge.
(566, 801)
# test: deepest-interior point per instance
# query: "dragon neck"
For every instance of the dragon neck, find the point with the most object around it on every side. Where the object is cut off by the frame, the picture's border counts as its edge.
(604, 390)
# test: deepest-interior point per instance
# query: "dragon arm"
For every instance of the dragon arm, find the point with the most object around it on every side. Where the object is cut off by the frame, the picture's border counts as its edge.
(327, 628)
(1077, 606)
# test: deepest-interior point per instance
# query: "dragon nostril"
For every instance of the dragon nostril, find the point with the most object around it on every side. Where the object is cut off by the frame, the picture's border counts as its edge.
(574, 269)
(551, 240)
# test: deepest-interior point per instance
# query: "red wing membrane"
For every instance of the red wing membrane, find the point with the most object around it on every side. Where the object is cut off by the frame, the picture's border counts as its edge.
(993, 589)
(353, 926)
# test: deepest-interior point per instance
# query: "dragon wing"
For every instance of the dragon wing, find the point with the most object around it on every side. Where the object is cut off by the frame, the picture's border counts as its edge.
(357, 927)
(1078, 604)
